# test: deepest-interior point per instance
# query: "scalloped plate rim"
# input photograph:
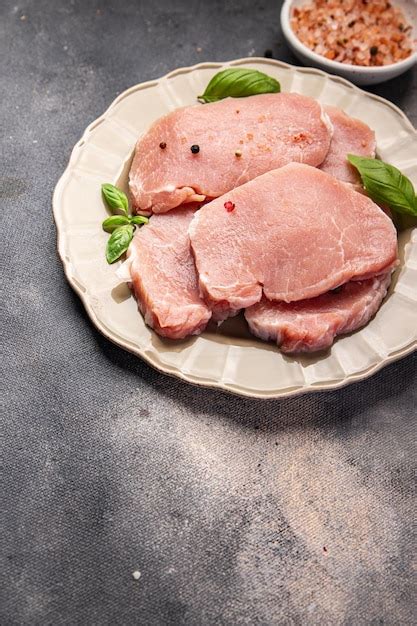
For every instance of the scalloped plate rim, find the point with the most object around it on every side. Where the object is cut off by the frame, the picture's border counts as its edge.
(127, 345)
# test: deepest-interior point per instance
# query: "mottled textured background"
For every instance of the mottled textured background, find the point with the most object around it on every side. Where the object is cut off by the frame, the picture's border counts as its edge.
(234, 511)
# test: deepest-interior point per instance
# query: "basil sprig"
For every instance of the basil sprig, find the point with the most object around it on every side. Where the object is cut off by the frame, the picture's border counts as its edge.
(115, 198)
(385, 184)
(122, 226)
(235, 82)
(119, 242)
(111, 223)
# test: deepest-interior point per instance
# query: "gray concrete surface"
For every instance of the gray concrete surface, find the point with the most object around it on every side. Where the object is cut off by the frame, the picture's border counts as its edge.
(234, 511)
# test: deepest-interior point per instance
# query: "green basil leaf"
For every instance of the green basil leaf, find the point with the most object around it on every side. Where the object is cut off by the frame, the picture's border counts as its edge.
(404, 220)
(111, 223)
(119, 242)
(139, 219)
(238, 83)
(115, 198)
(385, 184)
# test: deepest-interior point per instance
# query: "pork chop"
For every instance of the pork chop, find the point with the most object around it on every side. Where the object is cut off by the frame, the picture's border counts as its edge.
(349, 136)
(293, 233)
(163, 276)
(234, 140)
(311, 325)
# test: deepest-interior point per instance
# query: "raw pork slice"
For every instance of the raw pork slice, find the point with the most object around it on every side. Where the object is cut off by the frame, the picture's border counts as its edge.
(350, 136)
(311, 325)
(237, 138)
(163, 276)
(293, 234)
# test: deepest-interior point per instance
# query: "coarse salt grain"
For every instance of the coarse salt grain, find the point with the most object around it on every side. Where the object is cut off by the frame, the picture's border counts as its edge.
(348, 30)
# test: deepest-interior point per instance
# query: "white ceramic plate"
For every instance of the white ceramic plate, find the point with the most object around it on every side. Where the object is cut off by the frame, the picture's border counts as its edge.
(229, 357)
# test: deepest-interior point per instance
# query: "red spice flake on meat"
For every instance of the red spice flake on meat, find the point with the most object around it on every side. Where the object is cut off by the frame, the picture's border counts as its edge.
(301, 137)
(354, 31)
(229, 206)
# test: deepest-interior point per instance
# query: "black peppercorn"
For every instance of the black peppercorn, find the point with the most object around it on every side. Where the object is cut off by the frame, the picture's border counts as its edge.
(195, 149)
(373, 50)
(162, 145)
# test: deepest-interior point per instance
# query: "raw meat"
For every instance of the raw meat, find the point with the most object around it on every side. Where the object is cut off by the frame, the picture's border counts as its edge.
(294, 233)
(350, 136)
(311, 325)
(238, 139)
(163, 276)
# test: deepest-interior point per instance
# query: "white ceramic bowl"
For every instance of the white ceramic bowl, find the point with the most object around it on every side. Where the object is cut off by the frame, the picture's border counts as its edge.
(355, 73)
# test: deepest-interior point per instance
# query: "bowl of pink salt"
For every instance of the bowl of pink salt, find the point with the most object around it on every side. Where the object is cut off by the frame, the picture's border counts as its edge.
(365, 41)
